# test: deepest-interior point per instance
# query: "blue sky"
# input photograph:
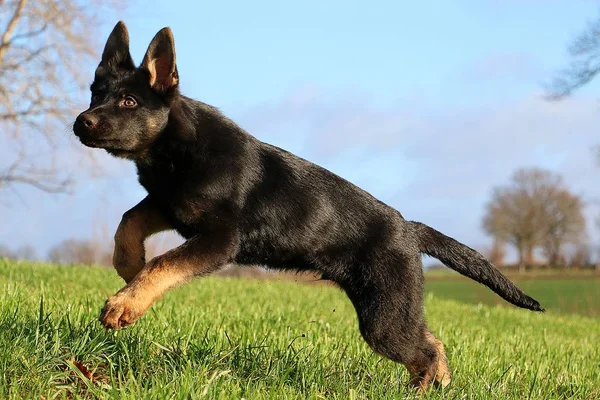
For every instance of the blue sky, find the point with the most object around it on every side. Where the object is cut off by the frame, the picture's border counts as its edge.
(427, 105)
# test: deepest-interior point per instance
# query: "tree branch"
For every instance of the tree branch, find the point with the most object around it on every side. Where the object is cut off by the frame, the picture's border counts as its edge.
(30, 34)
(43, 179)
(23, 61)
(12, 24)
(571, 80)
(584, 51)
(48, 187)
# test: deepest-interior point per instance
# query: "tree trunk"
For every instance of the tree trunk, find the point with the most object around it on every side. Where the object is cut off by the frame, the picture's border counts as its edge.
(529, 256)
(553, 261)
(521, 250)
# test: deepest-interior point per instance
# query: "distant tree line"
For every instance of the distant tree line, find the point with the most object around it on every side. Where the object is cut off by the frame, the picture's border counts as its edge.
(26, 252)
(99, 252)
(86, 252)
(95, 251)
(70, 251)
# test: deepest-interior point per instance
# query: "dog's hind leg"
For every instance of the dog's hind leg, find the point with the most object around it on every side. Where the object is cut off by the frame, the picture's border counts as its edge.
(390, 314)
(137, 224)
(428, 364)
(198, 256)
(443, 375)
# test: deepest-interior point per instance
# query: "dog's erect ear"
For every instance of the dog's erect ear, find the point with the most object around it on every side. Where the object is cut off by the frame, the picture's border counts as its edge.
(159, 61)
(116, 51)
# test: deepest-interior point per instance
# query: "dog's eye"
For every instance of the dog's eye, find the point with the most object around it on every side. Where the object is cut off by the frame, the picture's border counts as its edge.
(95, 98)
(129, 102)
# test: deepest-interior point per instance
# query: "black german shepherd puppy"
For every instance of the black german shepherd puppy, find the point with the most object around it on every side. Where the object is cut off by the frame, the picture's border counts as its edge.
(239, 200)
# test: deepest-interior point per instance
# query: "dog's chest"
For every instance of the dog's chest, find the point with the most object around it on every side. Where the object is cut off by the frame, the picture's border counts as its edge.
(163, 183)
(175, 193)
(159, 178)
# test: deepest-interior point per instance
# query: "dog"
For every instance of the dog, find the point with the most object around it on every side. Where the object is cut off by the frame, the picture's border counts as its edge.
(238, 200)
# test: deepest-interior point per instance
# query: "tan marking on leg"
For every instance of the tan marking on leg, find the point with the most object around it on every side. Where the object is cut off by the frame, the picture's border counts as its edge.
(443, 375)
(129, 303)
(177, 266)
(137, 224)
(424, 371)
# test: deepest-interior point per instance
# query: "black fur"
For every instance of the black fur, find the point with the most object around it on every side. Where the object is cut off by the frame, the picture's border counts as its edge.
(212, 180)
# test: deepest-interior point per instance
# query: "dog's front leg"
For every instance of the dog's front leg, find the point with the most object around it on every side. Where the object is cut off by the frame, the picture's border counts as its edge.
(137, 224)
(198, 256)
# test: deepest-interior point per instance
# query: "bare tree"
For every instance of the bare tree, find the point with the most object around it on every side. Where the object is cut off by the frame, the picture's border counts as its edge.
(496, 253)
(581, 256)
(534, 210)
(562, 223)
(584, 66)
(513, 213)
(584, 51)
(45, 46)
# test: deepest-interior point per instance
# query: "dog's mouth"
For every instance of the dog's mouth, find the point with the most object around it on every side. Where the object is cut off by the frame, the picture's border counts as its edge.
(97, 143)
(110, 145)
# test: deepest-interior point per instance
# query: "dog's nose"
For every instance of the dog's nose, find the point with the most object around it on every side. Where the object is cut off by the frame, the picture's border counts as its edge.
(86, 120)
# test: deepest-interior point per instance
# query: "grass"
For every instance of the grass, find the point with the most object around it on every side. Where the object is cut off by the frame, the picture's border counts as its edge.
(569, 295)
(226, 338)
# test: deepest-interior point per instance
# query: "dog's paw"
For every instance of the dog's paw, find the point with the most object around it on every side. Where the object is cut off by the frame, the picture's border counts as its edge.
(120, 311)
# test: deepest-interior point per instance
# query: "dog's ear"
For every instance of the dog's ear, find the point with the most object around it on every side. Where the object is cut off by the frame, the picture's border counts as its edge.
(159, 61)
(116, 51)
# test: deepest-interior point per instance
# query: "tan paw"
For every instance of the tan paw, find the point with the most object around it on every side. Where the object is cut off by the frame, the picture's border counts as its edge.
(119, 311)
(443, 376)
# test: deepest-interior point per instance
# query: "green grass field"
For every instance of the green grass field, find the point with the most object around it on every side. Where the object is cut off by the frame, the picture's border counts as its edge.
(231, 338)
(570, 295)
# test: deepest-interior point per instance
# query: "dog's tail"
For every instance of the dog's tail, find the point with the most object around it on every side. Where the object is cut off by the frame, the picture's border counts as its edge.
(470, 263)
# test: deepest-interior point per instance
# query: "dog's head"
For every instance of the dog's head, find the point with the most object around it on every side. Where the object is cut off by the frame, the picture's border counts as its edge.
(130, 106)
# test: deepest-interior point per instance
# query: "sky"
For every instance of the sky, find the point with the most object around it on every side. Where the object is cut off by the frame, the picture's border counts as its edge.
(426, 105)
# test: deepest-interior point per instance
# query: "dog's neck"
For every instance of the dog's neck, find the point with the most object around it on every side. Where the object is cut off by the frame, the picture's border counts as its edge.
(193, 127)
